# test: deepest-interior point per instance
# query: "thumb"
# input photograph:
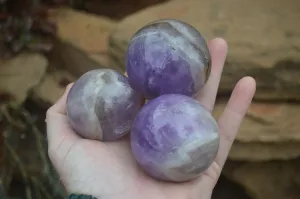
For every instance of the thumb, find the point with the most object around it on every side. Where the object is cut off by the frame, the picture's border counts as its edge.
(59, 133)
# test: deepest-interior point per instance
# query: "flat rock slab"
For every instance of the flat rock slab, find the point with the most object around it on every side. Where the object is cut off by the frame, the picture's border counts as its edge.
(82, 40)
(263, 39)
(117, 9)
(268, 122)
(262, 152)
(268, 132)
(52, 86)
(20, 74)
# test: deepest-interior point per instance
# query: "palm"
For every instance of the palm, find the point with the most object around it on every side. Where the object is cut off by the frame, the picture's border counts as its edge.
(108, 170)
(123, 177)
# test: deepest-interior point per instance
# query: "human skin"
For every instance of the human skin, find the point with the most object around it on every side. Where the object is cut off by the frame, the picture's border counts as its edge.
(109, 171)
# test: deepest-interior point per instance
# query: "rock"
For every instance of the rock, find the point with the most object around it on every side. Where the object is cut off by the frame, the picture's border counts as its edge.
(82, 40)
(257, 151)
(272, 59)
(53, 86)
(274, 180)
(20, 74)
(268, 122)
(269, 131)
(118, 9)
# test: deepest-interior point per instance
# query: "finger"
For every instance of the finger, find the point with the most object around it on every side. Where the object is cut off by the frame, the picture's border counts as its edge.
(233, 115)
(218, 50)
(58, 128)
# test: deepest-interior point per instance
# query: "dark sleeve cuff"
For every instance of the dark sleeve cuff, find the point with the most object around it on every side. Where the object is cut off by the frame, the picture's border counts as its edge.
(80, 196)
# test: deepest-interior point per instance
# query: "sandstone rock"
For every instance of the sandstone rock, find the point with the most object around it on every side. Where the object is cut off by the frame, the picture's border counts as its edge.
(262, 37)
(262, 151)
(118, 9)
(269, 131)
(20, 74)
(268, 122)
(53, 86)
(82, 40)
(274, 180)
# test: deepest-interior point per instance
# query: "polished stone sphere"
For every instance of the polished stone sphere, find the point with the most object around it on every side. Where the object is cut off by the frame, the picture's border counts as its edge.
(101, 105)
(174, 138)
(167, 57)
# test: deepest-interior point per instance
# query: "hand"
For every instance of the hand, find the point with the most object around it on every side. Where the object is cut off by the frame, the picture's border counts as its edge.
(108, 170)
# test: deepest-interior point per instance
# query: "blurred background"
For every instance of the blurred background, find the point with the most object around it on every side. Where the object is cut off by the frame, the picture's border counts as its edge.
(44, 45)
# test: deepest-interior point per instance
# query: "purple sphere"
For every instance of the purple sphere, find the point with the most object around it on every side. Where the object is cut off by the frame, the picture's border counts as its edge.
(174, 138)
(167, 57)
(101, 105)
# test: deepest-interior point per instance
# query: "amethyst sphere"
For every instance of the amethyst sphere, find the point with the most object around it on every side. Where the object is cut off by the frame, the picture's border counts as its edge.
(101, 105)
(174, 138)
(167, 57)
